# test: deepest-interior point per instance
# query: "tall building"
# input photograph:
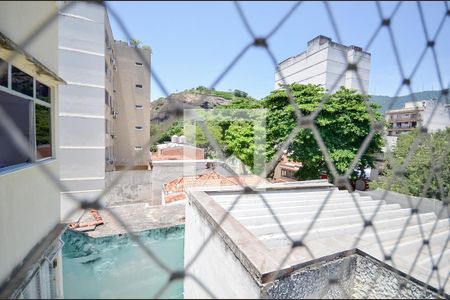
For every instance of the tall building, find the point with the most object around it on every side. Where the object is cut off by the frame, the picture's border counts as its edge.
(325, 62)
(430, 113)
(132, 106)
(104, 110)
(30, 256)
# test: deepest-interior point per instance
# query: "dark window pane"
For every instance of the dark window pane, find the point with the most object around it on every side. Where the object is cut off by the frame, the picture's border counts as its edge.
(18, 110)
(43, 92)
(3, 73)
(22, 82)
(43, 132)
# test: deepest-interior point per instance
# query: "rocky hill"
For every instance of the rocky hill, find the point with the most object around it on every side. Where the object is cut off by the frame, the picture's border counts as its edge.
(165, 111)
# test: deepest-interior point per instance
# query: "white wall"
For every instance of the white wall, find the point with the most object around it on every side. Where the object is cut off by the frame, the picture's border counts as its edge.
(325, 63)
(29, 200)
(82, 110)
(29, 209)
(19, 19)
(217, 267)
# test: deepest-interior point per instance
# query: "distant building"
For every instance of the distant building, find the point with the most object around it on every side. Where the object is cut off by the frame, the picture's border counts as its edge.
(131, 113)
(285, 170)
(30, 251)
(430, 113)
(178, 149)
(325, 62)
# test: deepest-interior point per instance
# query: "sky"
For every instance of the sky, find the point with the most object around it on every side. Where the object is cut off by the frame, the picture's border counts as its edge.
(193, 42)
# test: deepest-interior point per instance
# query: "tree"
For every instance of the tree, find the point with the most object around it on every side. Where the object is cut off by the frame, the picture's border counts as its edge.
(429, 163)
(343, 124)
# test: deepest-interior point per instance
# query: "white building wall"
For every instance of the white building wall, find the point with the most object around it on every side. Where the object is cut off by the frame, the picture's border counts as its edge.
(82, 110)
(436, 116)
(325, 63)
(29, 199)
(215, 261)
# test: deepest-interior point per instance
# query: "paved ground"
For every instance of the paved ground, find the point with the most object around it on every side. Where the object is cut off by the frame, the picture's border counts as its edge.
(138, 217)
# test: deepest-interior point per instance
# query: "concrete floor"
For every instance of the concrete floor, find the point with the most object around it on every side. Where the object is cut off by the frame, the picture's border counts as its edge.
(137, 216)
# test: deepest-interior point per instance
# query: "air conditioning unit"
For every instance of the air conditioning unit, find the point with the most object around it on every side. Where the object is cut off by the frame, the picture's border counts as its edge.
(115, 114)
(113, 135)
(115, 68)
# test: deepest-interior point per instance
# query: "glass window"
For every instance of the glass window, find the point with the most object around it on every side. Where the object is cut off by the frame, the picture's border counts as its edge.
(22, 82)
(139, 86)
(3, 73)
(138, 127)
(43, 92)
(18, 110)
(138, 148)
(43, 132)
(138, 64)
(138, 106)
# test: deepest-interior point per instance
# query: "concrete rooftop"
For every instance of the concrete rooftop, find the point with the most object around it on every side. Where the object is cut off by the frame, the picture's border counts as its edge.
(334, 221)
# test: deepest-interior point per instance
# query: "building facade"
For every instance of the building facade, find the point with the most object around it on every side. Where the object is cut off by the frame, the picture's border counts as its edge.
(433, 114)
(325, 63)
(132, 106)
(30, 256)
(104, 111)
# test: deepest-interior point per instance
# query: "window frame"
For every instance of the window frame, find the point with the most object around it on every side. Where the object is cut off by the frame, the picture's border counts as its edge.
(32, 102)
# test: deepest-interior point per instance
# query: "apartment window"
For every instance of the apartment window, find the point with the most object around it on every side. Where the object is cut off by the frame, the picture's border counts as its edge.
(137, 148)
(42, 92)
(138, 127)
(414, 124)
(106, 97)
(3, 73)
(43, 131)
(138, 106)
(19, 111)
(139, 86)
(22, 82)
(138, 64)
(288, 173)
(30, 114)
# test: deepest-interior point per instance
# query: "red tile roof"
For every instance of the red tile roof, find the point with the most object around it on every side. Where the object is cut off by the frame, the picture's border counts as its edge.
(210, 178)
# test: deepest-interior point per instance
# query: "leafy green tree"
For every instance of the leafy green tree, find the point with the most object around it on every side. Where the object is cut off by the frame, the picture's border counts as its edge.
(343, 124)
(430, 164)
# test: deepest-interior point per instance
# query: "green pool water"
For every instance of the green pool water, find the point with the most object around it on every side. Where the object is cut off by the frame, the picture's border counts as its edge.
(116, 267)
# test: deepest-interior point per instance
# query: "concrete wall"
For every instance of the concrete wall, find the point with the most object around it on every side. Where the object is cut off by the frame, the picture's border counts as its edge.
(426, 204)
(19, 19)
(82, 109)
(128, 96)
(134, 186)
(325, 62)
(217, 267)
(29, 210)
(181, 153)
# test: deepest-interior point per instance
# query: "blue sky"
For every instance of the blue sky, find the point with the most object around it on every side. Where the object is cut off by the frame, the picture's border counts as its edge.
(193, 42)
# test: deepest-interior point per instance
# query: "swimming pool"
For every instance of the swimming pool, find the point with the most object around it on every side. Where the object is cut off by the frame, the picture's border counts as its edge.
(116, 267)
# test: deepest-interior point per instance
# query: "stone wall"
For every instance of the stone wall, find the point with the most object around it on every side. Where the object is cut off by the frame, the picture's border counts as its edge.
(351, 277)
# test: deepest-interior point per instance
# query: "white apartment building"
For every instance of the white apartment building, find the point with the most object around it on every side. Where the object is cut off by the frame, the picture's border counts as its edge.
(433, 114)
(105, 106)
(325, 62)
(81, 49)
(30, 256)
